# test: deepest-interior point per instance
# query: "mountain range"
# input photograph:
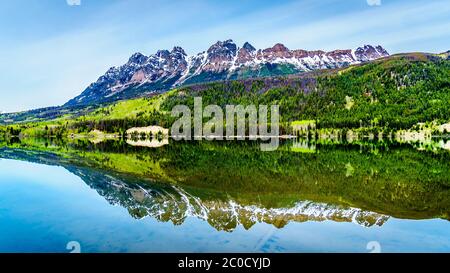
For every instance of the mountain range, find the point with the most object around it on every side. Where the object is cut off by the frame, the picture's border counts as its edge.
(224, 60)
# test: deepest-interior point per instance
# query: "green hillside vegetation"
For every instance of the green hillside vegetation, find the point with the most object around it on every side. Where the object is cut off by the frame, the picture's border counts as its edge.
(397, 93)
(394, 93)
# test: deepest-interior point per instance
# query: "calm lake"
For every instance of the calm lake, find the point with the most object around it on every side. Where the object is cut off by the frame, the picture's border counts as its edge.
(115, 196)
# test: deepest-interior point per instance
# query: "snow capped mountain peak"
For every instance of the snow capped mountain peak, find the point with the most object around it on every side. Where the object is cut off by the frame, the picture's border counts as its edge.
(137, 58)
(245, 54)
(164, 53)
(178, 50)
(381, 50)
(222, 51)
(222, 61)
(368, 53)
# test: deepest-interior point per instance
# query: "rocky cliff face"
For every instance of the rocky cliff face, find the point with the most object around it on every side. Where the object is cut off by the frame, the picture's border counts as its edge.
(224, 60)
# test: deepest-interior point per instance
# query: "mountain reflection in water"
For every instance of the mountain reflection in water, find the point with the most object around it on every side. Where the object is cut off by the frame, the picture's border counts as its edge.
(232, 184)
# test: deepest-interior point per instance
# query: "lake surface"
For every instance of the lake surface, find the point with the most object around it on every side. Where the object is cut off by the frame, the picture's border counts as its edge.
(224, 197)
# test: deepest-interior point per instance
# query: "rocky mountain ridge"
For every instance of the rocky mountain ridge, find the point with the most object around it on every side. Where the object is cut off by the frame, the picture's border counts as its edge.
(224, 60)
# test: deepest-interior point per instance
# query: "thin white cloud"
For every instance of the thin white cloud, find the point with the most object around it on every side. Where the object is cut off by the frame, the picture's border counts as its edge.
(374, 2)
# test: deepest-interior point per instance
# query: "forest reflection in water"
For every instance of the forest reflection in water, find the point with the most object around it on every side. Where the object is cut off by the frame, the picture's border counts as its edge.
(229, 184)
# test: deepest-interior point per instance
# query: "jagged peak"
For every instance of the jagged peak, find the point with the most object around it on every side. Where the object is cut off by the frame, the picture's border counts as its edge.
(369, 52)
(368, 47)
(137, 54)
(220, 43)
(137, 58)
(280, 47)
(111, 69)
(178, 49)
(247, 46)
(227, 44)
(381, 49)
(163, 53)
(229, 41)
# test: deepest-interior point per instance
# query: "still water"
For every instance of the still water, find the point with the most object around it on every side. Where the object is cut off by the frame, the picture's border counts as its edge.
(216, 197)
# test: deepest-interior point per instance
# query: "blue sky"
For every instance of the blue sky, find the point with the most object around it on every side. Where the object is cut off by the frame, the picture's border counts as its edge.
(50, 51)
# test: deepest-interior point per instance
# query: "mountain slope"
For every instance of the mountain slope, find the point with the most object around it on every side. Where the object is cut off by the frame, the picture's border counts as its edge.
(222, 61)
